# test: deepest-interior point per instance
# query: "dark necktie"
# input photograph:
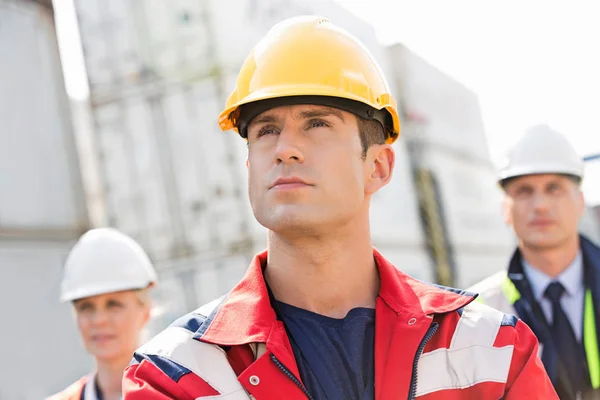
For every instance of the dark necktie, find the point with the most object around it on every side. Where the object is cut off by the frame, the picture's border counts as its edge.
(569, 351)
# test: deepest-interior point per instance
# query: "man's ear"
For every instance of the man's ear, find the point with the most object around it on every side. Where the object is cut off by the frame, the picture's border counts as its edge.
(380, 161)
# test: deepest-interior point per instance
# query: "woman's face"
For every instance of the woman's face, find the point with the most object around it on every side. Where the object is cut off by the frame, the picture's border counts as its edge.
(111, 323)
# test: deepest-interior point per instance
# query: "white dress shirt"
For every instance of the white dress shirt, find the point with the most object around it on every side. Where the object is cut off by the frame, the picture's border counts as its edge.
(573, 298)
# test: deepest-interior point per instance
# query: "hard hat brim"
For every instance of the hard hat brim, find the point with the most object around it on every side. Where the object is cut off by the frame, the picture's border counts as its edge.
(515, 172)
(228, 119)
(251, 110)
(83, 293)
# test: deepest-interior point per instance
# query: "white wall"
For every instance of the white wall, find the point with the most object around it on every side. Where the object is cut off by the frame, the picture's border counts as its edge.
(41, 208)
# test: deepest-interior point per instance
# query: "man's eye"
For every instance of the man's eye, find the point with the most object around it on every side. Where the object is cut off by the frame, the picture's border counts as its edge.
(267, 130)
(523, 192)
(317, 123)
(114, 304)
(554, 188)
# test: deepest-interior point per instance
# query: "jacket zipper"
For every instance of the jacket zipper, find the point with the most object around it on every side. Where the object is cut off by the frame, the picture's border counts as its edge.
(291, 376)
(413, 381)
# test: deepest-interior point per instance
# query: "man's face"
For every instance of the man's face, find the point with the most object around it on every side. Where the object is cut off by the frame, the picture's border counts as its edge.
(306, 173)
(544, 210)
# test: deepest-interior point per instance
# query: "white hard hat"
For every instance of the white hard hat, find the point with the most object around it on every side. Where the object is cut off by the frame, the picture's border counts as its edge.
(105, 260)
(541, 150)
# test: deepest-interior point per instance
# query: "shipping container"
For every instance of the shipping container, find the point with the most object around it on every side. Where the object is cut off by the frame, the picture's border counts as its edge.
(446, 138)
(42, 209)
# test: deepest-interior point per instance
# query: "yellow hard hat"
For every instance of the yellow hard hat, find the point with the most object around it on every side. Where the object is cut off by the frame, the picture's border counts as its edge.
(309, 60)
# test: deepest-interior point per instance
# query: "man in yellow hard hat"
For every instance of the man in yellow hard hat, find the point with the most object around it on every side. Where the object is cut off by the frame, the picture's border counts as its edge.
(553, 280)
(321, 314)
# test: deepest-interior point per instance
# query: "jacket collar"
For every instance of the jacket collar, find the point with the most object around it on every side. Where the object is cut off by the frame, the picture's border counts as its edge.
(246, 315)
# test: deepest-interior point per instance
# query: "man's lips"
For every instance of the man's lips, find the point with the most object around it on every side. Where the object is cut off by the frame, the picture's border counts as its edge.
(541, 222)
(289, 183)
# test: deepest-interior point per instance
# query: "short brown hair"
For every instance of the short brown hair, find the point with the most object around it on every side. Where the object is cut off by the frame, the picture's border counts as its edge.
(371, 132)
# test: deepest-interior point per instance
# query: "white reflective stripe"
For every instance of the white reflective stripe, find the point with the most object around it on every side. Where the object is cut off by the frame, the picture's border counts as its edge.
(205, 360)
(498, 301)
(471, 357)
(445, 369)
(478, 325)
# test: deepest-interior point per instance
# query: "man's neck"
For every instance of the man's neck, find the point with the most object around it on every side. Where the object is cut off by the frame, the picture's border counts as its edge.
(329, 275)
(551, 261)
(109, 376)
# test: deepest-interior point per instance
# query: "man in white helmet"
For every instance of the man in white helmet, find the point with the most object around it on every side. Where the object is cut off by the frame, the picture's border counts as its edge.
(107, 276)
(553, 279)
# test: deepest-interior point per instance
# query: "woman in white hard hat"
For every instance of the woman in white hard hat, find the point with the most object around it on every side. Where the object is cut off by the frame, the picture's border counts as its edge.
(107, 276)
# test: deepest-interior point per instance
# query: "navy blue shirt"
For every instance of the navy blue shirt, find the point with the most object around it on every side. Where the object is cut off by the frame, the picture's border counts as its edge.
(335, 356)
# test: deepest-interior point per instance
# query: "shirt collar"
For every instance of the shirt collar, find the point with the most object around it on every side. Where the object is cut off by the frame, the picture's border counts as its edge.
(571, 278)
